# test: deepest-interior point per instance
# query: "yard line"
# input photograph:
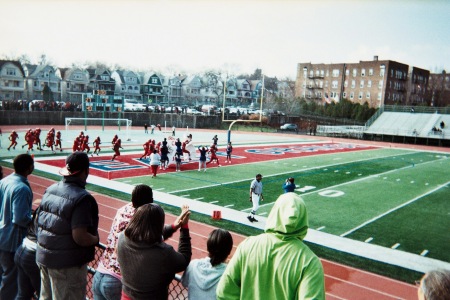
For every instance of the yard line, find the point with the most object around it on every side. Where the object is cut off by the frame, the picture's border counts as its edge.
(320, 228)
(212, 202)
(229, 205)
(395, 246)
(368, 240)
(185, 196)
(199, 198)
(424, 252)
(284, 173)
(394, 209)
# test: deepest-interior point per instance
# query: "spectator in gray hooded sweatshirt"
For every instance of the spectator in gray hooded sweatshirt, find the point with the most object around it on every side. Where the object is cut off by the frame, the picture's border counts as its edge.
(202, 275)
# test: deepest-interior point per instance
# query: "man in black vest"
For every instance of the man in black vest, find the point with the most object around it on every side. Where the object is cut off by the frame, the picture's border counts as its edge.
(67, 232)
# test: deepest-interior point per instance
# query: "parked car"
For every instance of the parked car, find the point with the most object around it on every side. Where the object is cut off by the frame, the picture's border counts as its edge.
(289, 126)
(193, 111)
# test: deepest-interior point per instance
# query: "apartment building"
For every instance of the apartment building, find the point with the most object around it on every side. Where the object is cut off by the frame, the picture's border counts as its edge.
(376, 82)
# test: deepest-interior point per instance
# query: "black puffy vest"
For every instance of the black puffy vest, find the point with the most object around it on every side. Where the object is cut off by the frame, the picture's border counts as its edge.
(56, 248)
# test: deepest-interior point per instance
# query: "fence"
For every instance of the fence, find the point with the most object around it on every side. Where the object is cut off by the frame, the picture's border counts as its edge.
(176, 290)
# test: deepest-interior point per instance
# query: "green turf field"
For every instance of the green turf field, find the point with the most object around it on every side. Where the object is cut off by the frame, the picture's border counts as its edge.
(388, 196)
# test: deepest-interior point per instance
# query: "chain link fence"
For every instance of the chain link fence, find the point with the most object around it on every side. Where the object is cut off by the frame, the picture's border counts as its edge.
(176, 290)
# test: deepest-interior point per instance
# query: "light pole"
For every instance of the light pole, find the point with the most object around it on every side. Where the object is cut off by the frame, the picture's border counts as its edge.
(49, 88)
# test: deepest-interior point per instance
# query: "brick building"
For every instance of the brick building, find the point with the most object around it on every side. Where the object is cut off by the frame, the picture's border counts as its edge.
(376, 82)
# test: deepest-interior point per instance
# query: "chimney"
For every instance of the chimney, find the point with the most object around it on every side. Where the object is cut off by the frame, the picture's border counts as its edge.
(375, 58)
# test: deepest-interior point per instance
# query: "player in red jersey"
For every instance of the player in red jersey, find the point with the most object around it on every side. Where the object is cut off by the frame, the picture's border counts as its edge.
(27, 136)
(85, 144)
(50, 140)
(13, 138)
(58, 141)
(213, 156)
(114, 140)
(30, 141)
(146, 146)
(117, 146)
(96, 144)
(76, 144)
(37, 138)
(184, 150)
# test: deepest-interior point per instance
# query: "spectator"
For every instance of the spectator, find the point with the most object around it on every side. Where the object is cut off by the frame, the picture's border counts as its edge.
(289, 186)
(202, 275)
(67, 228)
(435, 285)
(107, 279)
(29, 277)
(276, 264)
(15, 215)
(148, 264)
(1, 172)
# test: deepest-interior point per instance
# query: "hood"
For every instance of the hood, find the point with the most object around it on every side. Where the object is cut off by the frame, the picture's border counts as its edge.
(204, 274)
(288, 218)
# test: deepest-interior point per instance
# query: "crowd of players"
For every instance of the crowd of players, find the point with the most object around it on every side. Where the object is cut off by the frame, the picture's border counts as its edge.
(33, 138)
(170, 149)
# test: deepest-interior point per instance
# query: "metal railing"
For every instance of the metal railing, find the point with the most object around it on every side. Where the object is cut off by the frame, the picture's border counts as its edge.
(176, 290)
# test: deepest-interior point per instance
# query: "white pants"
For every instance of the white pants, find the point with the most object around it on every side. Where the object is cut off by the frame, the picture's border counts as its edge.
(255, 201)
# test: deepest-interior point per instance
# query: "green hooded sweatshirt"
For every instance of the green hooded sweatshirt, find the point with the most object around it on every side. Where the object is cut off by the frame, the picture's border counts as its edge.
(276, 264)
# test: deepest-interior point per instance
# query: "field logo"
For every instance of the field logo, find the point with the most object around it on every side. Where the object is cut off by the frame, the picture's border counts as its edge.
(331, 193)
(304, 149)
(108, 165)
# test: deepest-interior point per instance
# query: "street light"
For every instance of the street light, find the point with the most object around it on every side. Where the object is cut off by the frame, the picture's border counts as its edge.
(49, 88)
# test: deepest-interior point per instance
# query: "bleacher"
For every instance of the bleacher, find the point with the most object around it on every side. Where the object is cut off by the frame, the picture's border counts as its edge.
(418, 123)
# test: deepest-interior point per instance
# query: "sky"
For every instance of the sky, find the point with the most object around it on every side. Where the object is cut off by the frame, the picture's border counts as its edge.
(234, 36)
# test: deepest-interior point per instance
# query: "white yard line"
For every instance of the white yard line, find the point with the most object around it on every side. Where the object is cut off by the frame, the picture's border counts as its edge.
(394, 209)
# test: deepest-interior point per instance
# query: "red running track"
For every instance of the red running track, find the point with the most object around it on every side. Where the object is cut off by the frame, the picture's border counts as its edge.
(341, 282)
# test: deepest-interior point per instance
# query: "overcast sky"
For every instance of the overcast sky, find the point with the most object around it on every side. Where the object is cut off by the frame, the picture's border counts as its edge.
(235, 36)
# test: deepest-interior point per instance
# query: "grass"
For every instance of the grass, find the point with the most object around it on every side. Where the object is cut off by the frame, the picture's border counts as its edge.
(369, 182)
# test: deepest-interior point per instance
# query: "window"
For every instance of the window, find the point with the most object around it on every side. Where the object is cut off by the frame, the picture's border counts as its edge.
(322, 73)
(11, 71)
(305, 72)
(380, 84)
(345, 83)
(68, 85)
(370, 72)
(360, 95)
(334, 84)
(369, 83)
(355, 72)
(353, 84)
(326, 84)
(363, 72)
(382, 70)
(317, 73)
(352, 95)
(361, 85)
(344, 95)
(368, 95)
(379, 96)
(311, 73)
(347, 72)
(335, 73)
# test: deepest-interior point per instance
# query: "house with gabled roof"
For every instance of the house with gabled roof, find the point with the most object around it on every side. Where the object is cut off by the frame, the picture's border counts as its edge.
(152, 88)
(38, 76)
(212, 90)
(12, 80)
(127, 84)
(191, 87)
(75, 82)
(100, 79)
(244, 93)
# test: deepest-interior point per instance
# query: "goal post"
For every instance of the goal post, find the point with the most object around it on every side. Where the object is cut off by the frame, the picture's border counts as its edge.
(99, 124)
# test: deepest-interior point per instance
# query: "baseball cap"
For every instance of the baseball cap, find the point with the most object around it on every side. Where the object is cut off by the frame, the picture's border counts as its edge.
(75, 162)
